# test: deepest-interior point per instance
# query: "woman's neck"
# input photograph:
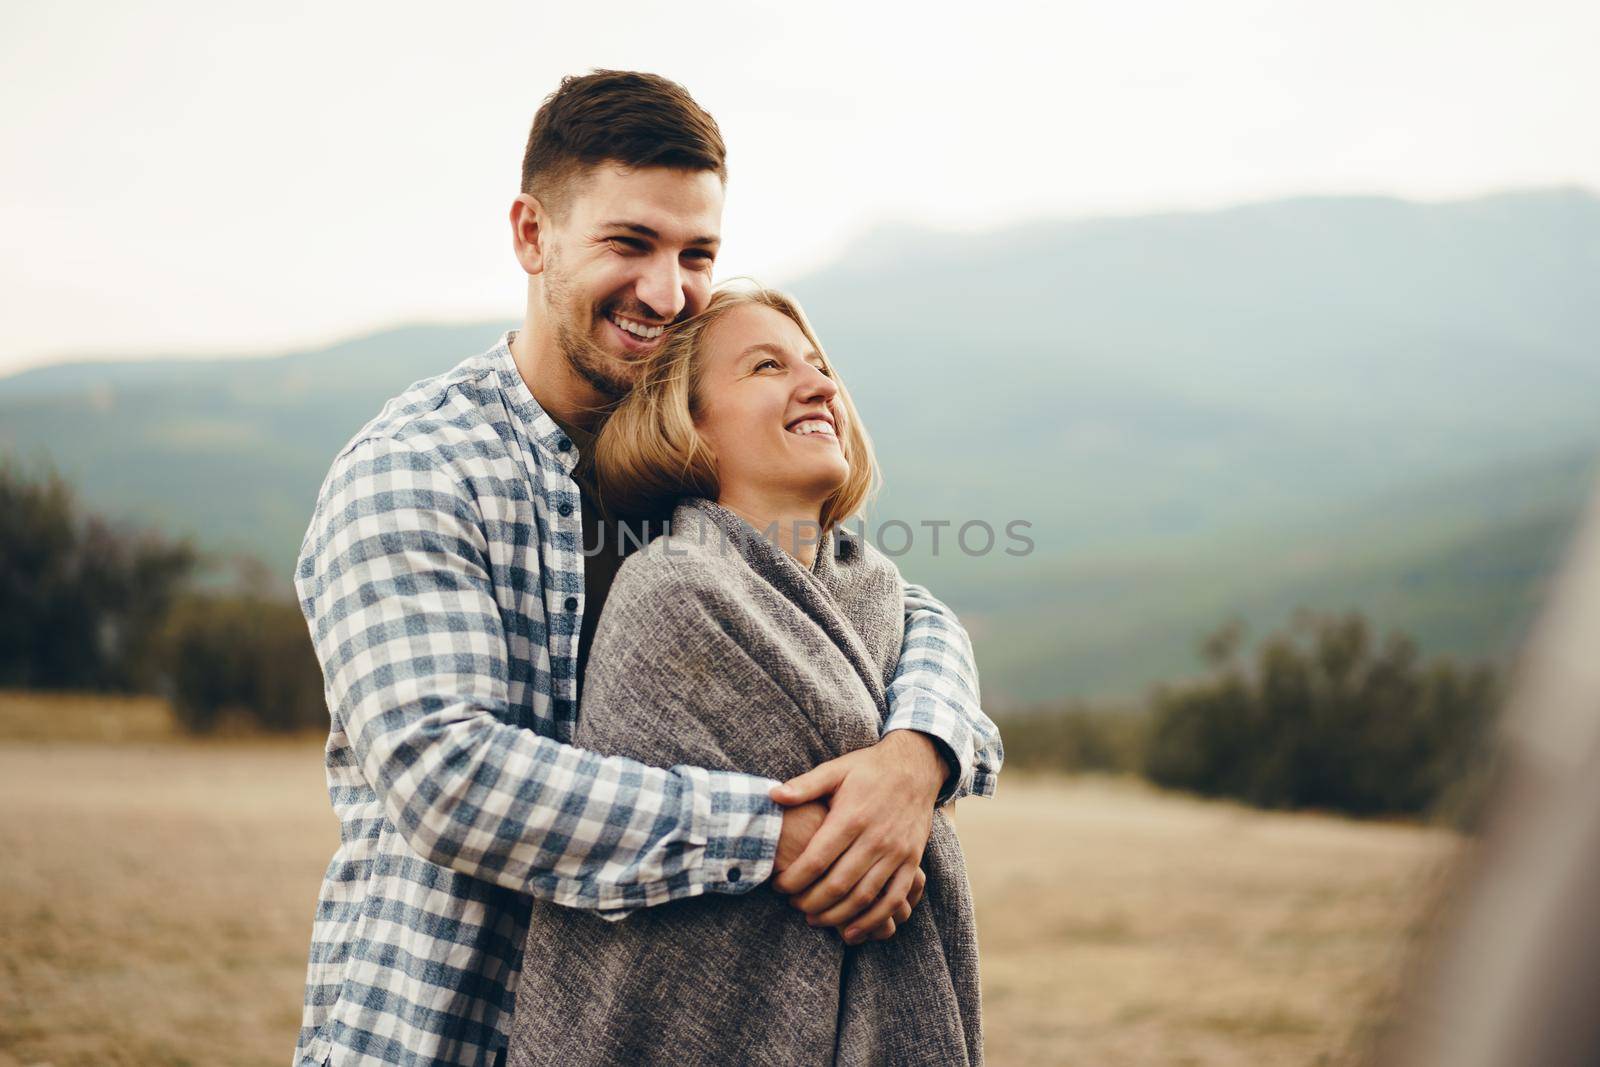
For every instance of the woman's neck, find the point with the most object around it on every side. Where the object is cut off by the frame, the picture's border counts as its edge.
(793, 525)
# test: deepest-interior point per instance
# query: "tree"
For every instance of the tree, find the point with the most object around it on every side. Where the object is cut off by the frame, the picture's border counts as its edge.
(81, 598)
(246, 658)
(1326, 718)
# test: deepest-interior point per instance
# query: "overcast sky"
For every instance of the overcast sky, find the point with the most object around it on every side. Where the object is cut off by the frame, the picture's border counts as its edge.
(215, 178)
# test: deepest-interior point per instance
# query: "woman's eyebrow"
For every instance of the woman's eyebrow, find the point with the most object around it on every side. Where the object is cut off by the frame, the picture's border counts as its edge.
(778, 350)
(760, 347)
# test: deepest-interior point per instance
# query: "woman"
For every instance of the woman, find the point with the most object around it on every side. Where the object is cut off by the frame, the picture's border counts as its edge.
(721, 648)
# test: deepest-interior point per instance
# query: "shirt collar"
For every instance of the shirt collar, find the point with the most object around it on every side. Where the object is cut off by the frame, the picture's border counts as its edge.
(545, 432)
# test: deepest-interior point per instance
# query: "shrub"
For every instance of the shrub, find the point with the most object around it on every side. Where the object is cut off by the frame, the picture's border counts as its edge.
(1075, 738)
(83, 597)
(1327, 718)
(242, 658)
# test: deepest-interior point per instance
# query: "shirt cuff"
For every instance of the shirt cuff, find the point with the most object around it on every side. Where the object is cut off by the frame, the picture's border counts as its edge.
(740, 825)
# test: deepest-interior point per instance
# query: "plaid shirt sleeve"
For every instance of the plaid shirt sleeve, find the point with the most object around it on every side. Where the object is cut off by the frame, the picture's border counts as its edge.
(935, 691)
(395, 582)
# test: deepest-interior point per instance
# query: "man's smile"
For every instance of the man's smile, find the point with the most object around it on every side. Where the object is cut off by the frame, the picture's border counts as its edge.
(636, 336)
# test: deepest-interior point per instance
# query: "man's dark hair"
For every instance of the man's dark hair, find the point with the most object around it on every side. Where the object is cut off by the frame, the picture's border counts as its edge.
(618, 116)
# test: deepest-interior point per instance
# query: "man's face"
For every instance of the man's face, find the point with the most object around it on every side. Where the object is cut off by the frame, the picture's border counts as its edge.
(632, 254)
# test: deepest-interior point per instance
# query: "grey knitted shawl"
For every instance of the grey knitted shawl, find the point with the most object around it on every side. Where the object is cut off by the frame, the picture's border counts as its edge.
(717, 649)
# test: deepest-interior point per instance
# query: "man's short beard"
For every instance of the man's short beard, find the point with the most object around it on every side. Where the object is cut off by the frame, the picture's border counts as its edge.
(587, 359)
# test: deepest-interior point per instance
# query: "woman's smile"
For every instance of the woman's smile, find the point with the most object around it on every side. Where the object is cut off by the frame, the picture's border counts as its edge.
(814, 425)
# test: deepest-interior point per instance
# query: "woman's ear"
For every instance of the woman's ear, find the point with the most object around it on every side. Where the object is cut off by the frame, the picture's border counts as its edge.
(530, 232)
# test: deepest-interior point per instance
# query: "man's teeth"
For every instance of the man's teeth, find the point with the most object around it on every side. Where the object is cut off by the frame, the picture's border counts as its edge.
(812, 426)
(645, 333)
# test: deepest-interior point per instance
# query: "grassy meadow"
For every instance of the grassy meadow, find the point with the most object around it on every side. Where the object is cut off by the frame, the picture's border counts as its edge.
(156, 898)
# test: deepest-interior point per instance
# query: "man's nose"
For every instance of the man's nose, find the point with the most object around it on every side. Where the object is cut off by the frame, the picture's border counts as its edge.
(660, 287)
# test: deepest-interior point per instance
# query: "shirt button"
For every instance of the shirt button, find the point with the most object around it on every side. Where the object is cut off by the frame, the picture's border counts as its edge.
(572, 603)
(563, 444)
(734, 874)
(565, 509)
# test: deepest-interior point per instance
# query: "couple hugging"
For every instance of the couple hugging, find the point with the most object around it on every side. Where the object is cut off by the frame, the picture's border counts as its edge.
(675, 805)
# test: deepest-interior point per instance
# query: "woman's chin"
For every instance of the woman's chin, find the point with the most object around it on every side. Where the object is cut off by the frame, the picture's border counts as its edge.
(827, 483)
(808, 483)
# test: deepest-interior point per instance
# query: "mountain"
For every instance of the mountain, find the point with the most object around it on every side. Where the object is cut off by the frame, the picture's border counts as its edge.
(1158, 374)
(230, 451)
(1355, 401)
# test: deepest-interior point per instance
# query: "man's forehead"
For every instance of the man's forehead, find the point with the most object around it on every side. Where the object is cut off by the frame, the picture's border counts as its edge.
(660, 203)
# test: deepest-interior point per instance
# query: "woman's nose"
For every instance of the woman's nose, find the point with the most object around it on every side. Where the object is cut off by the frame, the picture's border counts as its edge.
(816, 385)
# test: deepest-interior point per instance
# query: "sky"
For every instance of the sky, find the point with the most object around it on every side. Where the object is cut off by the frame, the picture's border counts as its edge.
(217, 178)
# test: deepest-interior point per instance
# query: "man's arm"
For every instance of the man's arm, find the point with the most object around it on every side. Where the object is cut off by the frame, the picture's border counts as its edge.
(935, 691)
(859, 868)
(394, 582)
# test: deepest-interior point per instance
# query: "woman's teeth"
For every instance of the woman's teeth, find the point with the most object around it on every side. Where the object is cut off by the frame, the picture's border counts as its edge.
(812, 426)
(644, 333)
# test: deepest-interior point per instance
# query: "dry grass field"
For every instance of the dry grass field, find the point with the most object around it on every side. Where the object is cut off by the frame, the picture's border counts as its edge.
(156, 898)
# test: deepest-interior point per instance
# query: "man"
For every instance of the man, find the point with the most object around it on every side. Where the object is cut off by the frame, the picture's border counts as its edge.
(445, 582)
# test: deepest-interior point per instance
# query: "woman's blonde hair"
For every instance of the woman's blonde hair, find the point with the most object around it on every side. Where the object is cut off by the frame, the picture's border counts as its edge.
(649, 453)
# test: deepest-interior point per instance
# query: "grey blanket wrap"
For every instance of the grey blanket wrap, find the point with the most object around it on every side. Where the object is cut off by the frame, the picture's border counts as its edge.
(717, 649)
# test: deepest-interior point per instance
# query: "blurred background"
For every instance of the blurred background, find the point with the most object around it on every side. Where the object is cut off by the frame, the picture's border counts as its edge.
(1272, 325)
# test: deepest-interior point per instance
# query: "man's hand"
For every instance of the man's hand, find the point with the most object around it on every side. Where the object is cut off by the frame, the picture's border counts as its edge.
(800, 824)
(885, 930)
(858, 870)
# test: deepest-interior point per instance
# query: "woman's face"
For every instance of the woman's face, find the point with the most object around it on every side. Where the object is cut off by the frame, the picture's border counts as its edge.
(767, 409)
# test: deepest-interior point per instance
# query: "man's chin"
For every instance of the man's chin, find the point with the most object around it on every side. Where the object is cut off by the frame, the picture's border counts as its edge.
(626, 359)
(612, 375)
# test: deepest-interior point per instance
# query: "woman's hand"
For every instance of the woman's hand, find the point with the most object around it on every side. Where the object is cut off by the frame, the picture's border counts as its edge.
(800, 825)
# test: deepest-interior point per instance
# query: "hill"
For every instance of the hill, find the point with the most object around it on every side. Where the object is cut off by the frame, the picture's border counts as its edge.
(1337, 401)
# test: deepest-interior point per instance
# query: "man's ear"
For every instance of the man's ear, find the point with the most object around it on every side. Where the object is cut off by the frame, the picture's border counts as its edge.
(530, 232)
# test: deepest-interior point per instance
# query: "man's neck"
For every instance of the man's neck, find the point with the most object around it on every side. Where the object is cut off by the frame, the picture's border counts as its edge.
(549, 377)
(793, 525)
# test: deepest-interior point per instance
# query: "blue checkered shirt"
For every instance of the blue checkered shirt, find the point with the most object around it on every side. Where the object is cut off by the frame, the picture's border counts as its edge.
(442, 580)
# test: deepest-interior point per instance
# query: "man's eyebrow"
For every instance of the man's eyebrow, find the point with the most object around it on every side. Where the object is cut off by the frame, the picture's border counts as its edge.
(646, 231)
